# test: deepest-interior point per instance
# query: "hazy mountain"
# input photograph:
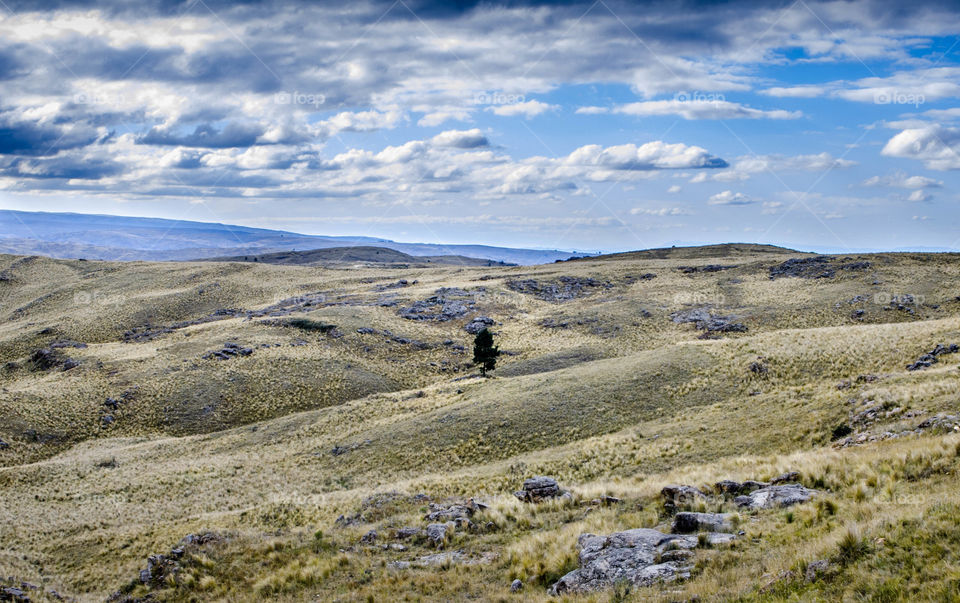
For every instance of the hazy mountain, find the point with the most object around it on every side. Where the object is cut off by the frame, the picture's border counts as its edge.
(92, 236)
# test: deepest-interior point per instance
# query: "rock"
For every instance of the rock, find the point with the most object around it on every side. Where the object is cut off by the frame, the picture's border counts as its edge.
(438, 533)
(932, 357)
(478, 324)
(446, 304)
(369, 538)
(687, 523)
(4, 445)
(539, 488)
(790, 476)
(408, 532)
(815, 569)
(11, 593)
(675, 497)
(562, 289)
(707, 268)
(820, 266)
(704, 320)
(634, 556)
(516, 586)
(775, 496)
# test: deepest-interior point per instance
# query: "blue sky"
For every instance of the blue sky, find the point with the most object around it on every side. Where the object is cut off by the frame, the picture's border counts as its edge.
(589, 126)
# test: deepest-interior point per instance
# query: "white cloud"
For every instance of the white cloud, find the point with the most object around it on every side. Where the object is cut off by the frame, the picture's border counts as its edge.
(936, 146)
(461, 139)
(528, 109)
(795, 91)
(676, 188)
(730, 198)
(919, 196)
(592, 110)
(901, 180)
(696, 109)
(662, 211)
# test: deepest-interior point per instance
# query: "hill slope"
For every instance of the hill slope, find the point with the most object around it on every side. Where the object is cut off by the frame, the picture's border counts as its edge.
(333, 256)
(260, 403)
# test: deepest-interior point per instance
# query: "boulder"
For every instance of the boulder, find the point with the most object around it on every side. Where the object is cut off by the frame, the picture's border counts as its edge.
(478, 324)
(539, 488)
(675, 496)
(788, 477)
(773, 497)
(408, 532)
(686, 523)
(369, 538)
(4, 445)
(516, 586)
(640, 557)
(816, 569)
(438, 533)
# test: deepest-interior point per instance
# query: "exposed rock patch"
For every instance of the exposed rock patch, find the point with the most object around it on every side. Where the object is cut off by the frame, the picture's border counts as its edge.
(708, 268)
(932, 357)
(704, 320)
(772, 497)
(446, 304)
(228, 351)
(819, 266)
(640, 557)
(562, 289)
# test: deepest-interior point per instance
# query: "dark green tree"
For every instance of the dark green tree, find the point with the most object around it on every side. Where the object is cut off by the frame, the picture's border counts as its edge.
(484, 352)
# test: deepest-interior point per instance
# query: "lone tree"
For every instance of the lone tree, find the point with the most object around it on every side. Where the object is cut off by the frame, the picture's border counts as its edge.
(484, 352)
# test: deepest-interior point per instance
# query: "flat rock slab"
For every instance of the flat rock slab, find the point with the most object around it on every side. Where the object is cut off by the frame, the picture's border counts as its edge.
(773, 497)
(687, 523)
(641, 556)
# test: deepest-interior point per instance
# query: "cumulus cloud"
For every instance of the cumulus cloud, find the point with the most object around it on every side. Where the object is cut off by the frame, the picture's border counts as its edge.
(901, 180)
(919, 196)
(461, 139)
(936, 146)
(730, 198)
(528, 109)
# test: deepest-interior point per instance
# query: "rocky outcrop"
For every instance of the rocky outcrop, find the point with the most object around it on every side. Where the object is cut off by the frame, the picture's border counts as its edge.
(540, 488)
(690, 523)
(708, 268)
(564, 288)
(704, 320)
(932, 357)
(446, 304)
(640, 557)
(819, 266)
(478, 324)
(676, 497)
(229, 350)
(439, 533)
(773, 497)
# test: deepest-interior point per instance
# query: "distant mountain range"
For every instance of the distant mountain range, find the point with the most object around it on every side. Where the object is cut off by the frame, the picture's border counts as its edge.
(331, 256)
(103, 237)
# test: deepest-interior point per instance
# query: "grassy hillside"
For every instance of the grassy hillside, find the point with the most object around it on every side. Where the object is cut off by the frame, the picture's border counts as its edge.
(338, 256)
(356, 399)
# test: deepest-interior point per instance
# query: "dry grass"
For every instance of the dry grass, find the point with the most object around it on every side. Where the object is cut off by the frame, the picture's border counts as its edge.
(616, 403)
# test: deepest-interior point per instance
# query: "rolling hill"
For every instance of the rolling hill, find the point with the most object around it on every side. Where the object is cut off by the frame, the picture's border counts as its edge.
(308, 425)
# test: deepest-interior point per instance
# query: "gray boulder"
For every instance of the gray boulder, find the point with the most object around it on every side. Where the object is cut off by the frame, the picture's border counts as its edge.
(516, 586)
(641, 557)
(478, 324)
(687, 523)
(438, 533)
(788, 477)
(773, 497)
(539, 488)
(675, 497)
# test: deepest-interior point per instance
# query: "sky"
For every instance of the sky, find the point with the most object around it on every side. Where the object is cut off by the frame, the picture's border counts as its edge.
(594, 126)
